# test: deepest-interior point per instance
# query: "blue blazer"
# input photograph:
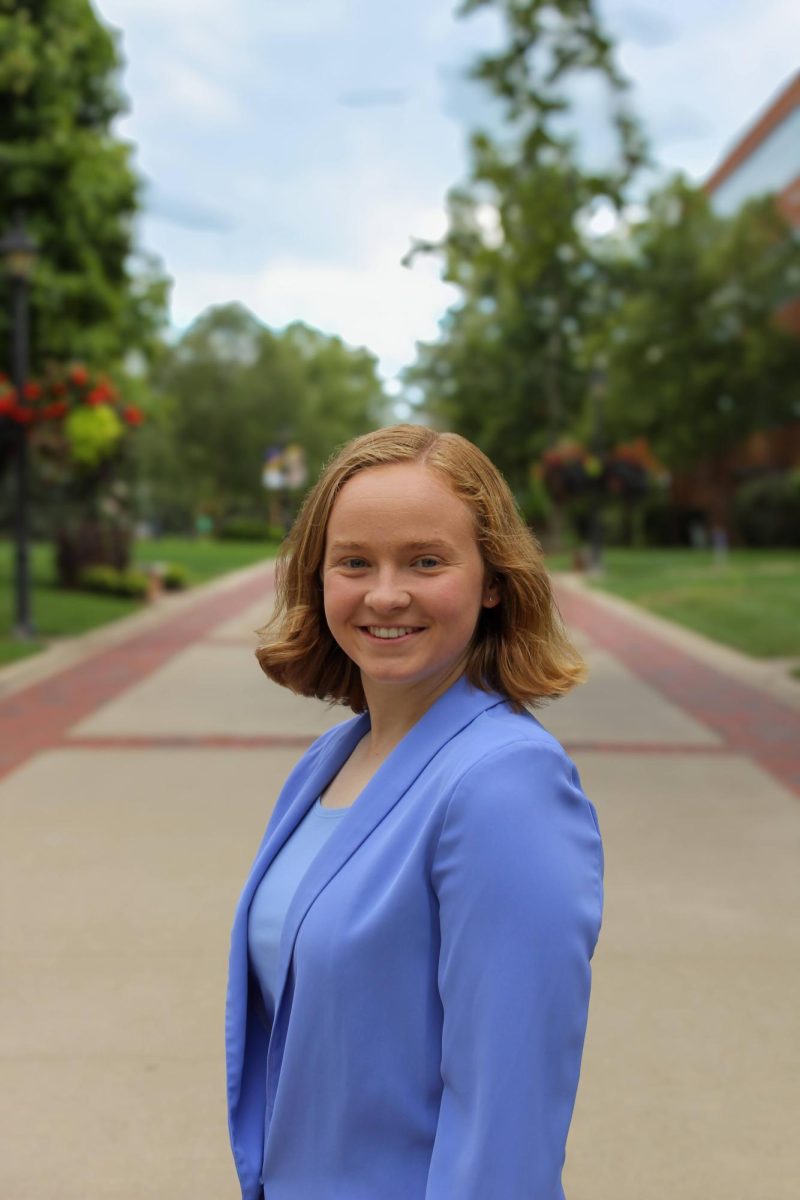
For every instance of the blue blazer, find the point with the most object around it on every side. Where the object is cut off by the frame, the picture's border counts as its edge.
(435, 971)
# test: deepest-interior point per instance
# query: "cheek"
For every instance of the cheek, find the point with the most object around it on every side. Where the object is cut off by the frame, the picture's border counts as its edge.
(459, 605)
(336, 598)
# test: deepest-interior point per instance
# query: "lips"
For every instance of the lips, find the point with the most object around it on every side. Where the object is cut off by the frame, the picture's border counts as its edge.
(390, 633)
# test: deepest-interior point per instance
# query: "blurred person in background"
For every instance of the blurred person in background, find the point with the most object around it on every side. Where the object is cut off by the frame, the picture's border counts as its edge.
(410, 958)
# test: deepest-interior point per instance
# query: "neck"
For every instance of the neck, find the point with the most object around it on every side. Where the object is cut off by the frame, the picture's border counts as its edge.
(393, 711)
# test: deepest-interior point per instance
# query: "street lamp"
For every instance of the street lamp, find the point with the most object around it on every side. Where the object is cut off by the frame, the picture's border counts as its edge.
(18, 251)
(597, 395)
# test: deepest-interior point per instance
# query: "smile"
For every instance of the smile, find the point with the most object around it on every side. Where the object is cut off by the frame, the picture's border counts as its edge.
(390, 632)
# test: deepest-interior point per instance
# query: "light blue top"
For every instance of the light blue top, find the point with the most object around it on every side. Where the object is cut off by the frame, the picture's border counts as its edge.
(274, 895)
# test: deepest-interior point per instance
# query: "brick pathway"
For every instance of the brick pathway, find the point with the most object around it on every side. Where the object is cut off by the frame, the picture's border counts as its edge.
(747, 719)
(137, 784)
(38, 717)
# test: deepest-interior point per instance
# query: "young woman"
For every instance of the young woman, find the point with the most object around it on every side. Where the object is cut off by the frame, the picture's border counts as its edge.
(409, 972)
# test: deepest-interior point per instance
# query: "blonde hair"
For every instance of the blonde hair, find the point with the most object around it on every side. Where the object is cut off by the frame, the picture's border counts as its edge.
(519, 647)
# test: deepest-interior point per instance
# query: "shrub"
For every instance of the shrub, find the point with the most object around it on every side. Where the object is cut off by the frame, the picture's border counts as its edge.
(767, 509)
(535, 503)
(248, 529)
(111, 582)
(175, 577)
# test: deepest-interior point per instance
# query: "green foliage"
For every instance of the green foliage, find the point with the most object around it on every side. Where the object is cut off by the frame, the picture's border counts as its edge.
(63, 168)
(695, 356)
(665, 330)
(510, 369)
(112, 582)
(767, 510)
(248, 529)
(534, 502)
(175, 577)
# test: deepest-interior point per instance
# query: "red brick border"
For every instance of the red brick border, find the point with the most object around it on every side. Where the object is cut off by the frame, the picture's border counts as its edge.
(748, 720)
(39, 716)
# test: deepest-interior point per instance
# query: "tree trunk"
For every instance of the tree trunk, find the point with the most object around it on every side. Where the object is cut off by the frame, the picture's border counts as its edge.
(91, 544)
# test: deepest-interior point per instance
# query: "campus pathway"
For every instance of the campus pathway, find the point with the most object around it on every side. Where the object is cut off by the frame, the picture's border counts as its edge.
(137, 771)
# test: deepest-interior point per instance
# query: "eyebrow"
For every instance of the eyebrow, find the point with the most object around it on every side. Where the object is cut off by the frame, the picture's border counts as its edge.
(430, 544)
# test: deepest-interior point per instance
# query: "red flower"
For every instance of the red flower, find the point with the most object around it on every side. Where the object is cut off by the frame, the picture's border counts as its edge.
(55, 411)
(133, 415)
(31, 391)
(7, 404)
(79, 375)
(98, 395)
(105, 383)
(59, 389)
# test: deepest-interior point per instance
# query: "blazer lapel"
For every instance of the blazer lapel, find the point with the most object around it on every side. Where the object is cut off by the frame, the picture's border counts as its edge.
(460, 705)
(307, 791)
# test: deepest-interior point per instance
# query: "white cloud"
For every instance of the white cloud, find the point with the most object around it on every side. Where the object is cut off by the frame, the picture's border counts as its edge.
(199, 96)
(298, 17)
(380, 304)
(234, 108)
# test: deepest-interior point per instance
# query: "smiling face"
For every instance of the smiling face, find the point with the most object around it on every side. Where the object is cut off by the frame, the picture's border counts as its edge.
(403, 578)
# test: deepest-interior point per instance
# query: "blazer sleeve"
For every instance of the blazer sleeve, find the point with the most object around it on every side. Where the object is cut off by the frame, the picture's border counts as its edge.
(518, 875)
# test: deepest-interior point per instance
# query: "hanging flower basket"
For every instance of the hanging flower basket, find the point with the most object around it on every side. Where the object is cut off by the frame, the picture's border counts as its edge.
(569, 470)
(61, 396)
(77, 426)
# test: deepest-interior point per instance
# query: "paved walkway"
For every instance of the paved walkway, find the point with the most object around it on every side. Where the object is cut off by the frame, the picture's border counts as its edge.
(137, 771)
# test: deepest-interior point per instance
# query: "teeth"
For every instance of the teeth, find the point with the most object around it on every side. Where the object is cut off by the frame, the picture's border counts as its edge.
(390, 631)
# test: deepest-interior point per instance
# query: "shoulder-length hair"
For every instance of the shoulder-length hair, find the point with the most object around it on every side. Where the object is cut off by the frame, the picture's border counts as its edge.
(519, 647)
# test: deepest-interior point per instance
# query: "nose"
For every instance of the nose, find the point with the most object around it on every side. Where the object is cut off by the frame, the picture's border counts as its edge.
(387, 593)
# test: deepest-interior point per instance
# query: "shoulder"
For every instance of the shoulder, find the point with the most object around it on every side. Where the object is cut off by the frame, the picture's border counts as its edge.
(510, 744)
(513, 782)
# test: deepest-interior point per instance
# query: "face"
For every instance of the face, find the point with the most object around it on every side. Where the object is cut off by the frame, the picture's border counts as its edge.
(404, 581)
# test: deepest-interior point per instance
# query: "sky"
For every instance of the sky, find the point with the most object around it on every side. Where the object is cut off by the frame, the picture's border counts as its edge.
(291, 149)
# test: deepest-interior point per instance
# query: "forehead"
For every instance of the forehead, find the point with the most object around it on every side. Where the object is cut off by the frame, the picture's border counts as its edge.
(402, 500)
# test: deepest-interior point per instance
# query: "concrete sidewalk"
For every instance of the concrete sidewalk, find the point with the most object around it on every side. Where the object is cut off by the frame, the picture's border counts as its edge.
(137, 772)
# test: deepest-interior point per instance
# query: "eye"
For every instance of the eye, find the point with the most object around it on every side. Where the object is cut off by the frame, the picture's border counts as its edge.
(353, 564)
(428, 561)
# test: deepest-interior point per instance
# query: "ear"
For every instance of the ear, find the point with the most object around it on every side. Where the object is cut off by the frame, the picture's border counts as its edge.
(491, 594)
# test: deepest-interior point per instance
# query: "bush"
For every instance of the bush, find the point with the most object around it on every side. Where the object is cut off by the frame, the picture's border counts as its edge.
(534, 503)
(248, 529)
(664, 523)
(111, 582)
(767, 509)
(175, 577)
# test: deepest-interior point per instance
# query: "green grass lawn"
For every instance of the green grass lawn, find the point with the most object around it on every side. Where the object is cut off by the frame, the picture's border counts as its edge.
(58, 613)
(204, 559)
(750, 602)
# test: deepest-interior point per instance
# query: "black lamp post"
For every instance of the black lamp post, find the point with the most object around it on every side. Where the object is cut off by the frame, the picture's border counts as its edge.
(598, 387)
(19, 254)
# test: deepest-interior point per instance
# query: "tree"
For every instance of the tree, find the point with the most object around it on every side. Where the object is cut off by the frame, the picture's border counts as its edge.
(509, 369)
(229, 389)
(61, 164)
(93, 297)
(696, 358)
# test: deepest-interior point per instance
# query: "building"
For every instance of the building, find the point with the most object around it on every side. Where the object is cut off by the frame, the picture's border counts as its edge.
(766, 158)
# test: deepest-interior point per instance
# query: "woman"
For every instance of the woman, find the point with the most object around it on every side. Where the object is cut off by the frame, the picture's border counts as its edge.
(409, 973)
